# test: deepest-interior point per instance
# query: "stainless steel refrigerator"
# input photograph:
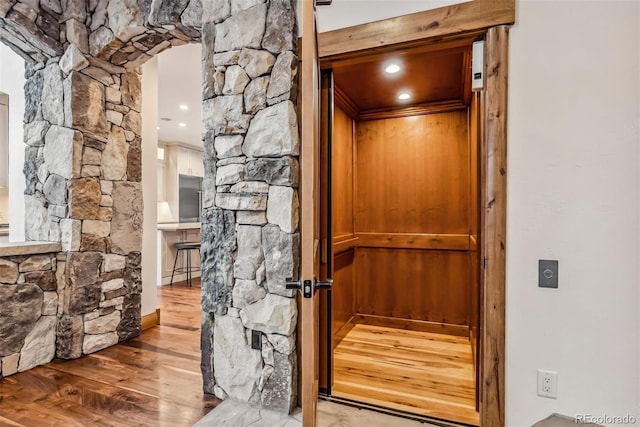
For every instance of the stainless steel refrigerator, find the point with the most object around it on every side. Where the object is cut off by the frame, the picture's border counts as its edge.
(190, 198)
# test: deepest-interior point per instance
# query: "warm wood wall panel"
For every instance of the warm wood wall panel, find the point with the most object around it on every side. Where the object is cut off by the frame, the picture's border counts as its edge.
(413, 214)
(342, 193)
(474, 220)
(342, 174)
(475, 254)
(343, 294)
(413, 174)
(413, 284)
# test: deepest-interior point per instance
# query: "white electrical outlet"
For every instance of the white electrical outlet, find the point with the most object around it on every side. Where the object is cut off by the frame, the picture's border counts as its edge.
(547, 384)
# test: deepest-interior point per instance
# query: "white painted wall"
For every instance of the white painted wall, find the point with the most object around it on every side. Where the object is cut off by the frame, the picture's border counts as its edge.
(574, 191)
(150, 279)
(12, 83)
(573, 180)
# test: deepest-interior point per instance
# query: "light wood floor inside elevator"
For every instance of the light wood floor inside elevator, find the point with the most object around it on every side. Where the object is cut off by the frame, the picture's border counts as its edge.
(418, 372)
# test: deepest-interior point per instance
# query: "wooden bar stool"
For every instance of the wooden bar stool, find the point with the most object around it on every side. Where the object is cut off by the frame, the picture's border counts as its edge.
(185, 246)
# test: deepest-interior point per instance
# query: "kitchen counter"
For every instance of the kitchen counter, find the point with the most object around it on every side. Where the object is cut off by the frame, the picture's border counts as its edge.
(177, 226)
(169, 235)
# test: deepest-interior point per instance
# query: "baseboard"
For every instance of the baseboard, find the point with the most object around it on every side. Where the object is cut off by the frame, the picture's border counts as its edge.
(150, 320)
(413, 325)
(177, 278)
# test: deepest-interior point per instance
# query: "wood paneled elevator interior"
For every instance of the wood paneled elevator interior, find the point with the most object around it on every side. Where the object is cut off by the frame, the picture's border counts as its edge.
(400, 323)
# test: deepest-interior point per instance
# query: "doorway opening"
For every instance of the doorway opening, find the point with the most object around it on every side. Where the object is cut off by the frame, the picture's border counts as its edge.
(173, 148)
(180, 164)
(402, 146)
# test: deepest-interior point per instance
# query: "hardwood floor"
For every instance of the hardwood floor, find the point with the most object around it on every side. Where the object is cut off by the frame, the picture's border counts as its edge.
(152, 380)
(419, 372)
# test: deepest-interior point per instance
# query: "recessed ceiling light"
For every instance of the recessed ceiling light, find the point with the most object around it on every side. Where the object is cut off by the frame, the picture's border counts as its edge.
(182, 124)
(158, 128)
(392, 68)
(404, 96)
(184, 107)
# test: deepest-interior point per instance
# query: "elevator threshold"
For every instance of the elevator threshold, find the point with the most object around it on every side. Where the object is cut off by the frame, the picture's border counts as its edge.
(411, 372)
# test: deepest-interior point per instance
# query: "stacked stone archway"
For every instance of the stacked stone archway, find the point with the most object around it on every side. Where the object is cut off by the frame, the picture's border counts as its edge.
(83, 172)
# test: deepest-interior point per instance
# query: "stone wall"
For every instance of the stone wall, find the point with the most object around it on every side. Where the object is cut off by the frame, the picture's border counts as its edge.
(250, 239)
(83, 153)
(29, 305)
(83, 172)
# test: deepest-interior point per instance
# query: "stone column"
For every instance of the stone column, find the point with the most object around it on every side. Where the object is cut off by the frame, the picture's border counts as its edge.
(83, 171)
(250, 239)
(82, 133)
(102, 226)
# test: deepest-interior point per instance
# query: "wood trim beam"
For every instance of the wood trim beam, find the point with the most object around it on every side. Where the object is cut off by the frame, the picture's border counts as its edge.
(433, 46)
(343, 238)
(492, 408)
(454, 242)
(451, 242)
(343, 245)
(440, 22)
(415, 110)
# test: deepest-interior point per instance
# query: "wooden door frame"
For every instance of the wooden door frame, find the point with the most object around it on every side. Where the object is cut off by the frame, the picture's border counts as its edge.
(490, 17)
(309, 227)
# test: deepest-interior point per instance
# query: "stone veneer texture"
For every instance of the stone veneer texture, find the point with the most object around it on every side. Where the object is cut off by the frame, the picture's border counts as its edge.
(29, 304)
(250, 239)
(83, 173)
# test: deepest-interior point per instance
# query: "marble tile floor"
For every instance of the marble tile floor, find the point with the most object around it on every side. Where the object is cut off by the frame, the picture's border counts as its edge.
(236, 414)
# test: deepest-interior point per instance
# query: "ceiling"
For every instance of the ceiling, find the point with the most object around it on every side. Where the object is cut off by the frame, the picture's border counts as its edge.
(180, 83)
(426, 76)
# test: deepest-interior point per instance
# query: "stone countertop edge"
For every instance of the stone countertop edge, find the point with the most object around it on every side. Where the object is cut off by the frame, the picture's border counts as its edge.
(174, 226)
(28, 248)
